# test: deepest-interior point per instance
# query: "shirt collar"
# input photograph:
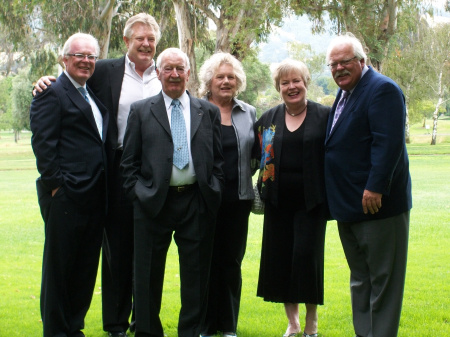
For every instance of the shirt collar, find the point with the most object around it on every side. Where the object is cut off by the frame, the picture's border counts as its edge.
(133, 65)
(184, 100)
(75, 83)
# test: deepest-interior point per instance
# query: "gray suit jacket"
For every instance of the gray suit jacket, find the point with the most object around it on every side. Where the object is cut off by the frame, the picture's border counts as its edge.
(148, 153)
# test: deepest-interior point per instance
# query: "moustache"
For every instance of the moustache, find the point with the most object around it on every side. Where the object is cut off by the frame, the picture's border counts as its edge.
(341, 73)
(175, 80)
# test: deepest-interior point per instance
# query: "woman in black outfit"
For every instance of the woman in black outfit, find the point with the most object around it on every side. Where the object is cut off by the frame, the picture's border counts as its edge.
(222, 78)
(291, 145)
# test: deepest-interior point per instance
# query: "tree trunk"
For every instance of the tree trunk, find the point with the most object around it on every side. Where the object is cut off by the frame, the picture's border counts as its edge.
(186, 42)
(104, 28)
(407, 136)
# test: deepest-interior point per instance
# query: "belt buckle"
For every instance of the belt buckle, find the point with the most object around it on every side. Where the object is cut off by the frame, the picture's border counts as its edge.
(181, 189)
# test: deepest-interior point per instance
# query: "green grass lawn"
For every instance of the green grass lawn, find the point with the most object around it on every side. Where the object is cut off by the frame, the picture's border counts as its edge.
(426, 307)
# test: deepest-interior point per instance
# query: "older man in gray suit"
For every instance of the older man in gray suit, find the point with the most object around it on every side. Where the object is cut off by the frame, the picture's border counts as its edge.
(172, 166)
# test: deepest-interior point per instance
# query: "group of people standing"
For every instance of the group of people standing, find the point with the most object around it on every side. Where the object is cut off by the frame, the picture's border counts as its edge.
(132, 159)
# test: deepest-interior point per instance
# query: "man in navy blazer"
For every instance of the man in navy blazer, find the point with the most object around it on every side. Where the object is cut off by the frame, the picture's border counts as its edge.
(118, 83)
(170, 199)
(69, 126)
(369, 186)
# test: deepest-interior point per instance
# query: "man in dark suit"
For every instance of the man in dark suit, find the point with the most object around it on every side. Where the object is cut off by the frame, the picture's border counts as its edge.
(369, 186)
(117, 83)
(69, 126)
(172, 166)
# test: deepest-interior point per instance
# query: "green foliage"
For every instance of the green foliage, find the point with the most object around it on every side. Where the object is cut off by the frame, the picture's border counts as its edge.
(258, 79)
(21, 101)
(5, 103)
(42, 62)
(304, 52)
(374, 22)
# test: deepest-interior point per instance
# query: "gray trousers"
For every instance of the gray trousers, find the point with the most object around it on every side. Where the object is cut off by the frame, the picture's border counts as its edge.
(376, 253)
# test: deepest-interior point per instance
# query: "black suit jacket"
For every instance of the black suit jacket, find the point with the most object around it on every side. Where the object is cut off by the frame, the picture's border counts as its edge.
(148, 153)
(313, 152)
(69, 150)
(106, 83)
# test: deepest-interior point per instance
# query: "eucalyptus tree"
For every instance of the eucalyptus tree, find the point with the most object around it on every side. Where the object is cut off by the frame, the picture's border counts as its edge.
(374, 22)
(438, 65)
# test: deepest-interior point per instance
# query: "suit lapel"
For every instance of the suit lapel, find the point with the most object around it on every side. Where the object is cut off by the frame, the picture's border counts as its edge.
(158, 109)
(104, 111)
(196, 115)
(352, 100)
(78, 100)
(116, 73)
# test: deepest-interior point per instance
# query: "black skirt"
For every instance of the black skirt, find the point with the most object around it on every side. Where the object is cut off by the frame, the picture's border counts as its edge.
(292, 255)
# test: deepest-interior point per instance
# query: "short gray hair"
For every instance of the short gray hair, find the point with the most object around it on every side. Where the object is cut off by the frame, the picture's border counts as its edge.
(210, 67)
(145, 19)
(80, 36)
(347, 39)
(285, 67)
(169, 51)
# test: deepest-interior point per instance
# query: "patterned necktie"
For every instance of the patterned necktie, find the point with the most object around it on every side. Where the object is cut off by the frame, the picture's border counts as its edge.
(84, 94)
(180, 144)
(340, 107)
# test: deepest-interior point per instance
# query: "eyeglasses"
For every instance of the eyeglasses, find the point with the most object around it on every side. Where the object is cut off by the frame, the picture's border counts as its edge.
(343, 63)
(81, 57)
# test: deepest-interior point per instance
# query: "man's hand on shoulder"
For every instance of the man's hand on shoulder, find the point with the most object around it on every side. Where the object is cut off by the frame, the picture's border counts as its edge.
(43, 83)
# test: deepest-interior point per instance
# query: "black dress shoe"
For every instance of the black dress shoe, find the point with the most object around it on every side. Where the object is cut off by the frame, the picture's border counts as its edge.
(117, 334)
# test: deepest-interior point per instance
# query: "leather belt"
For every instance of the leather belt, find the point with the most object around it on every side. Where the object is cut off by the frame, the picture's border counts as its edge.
(182, 188)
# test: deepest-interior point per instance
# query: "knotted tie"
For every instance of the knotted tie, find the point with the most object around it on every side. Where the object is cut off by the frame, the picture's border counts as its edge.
(180, 144)
(84, 93)
(340, 107)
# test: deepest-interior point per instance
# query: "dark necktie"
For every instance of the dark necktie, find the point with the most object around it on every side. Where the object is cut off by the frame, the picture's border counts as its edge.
(340, 107)
(180, 144)
(84, 94)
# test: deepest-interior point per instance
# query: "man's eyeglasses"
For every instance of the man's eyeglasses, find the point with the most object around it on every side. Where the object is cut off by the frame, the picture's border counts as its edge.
(81, 57)
(343, 63)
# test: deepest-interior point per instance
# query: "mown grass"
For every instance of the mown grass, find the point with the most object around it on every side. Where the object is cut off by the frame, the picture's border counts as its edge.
(426, 302)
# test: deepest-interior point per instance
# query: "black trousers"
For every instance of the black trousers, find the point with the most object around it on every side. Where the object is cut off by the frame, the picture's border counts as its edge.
(73, 237)
(184, 215)
(117, 256)
(230, 241)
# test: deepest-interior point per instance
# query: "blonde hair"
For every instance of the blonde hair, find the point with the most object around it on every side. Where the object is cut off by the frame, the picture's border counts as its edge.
(285, 67)
(145, 19)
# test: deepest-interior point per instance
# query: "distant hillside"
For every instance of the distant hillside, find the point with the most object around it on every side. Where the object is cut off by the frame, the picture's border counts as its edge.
(296, 28)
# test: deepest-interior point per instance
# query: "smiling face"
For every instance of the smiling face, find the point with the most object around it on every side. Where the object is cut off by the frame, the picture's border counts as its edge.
(80, 70)
(173, 75)
(292, 89)
(347, 76)
(223, 83)
(141, 45)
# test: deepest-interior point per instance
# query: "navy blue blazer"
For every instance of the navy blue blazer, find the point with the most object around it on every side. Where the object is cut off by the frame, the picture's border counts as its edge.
(366, 150)
(69, 150)
(148, 153)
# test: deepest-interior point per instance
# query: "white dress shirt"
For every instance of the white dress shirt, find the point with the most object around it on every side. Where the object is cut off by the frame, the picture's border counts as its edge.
(134, 88)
